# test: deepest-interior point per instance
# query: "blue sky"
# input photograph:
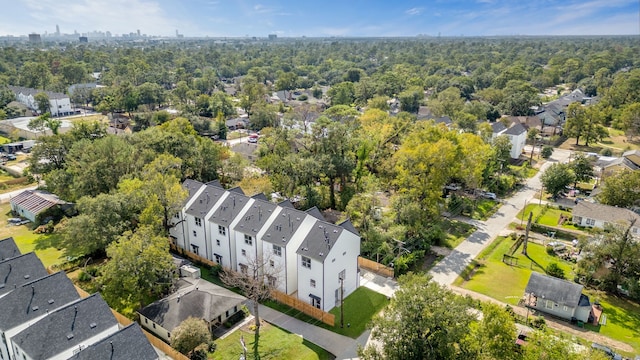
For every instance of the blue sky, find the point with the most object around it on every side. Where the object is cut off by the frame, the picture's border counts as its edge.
(324, 18)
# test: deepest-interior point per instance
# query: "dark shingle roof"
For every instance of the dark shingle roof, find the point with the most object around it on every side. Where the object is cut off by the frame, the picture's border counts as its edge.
(498, 127)
(255, 217)
(229, 209)
(444, 120)
(196, 298)
(348, 225)
(607, 213)
(237, 190)
(315, 212)
(66, 328)
(128, 343)
(284, 226)
(557, 290)
(516, 129)
(205, 201)
(29, 91)
(215, 183)
(286, 204)
(260, 196)
(20, 270)
(320, 240)
(36, 201)
(8, 248)
(192, 186)
(32, 299)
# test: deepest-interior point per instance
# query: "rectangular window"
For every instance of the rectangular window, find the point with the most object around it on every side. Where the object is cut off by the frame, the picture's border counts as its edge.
(306, 262)
(635, 230)
(548, 304)
(565, 308)
(272, 263)
(312, 283)
(218, 258)
(222, 230)
(277, 250)
(154, 325)
(244, 252)
(177, 215)
(198, 222)
(248, 240)
(243, 269)
(217, 242)
(341, 275)
(195, 234)
(195, 249)
(272, 281)
(316, 301)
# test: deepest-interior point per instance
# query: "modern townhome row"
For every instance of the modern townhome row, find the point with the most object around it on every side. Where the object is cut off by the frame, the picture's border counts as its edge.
(42, 316)
(308, 257)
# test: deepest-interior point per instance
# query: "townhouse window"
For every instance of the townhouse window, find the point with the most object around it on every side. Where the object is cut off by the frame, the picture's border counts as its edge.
(548, 304)
(635, 230)
(306, 262)
(272, 281)
(341, 276)
(244, 252)
(248, 240)
(217, 242)
(198, 221)
(154, 325)
(272, 263)
(277, 250)
(312, 283)
(243, 269)
(195, 249)
(195, 234)
(222, 230)
(177, 215)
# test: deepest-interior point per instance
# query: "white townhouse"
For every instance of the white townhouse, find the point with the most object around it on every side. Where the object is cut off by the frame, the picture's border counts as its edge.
(249, 229)
(195, 225)
(220, 221)
(177, 232)
(516, 133)
(59, 104)
(281, 241)
(328, 264)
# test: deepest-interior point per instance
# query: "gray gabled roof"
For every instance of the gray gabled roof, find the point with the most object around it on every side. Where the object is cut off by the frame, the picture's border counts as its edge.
(444, 120)
(66, 328)
(348, 225)
(286, 204)
(229, 209)
(498, 127)
(255, 217)
(8, 248)
(606, 213)
(20, 270)
(516, 129)
(557, 290)
(281, 230)
(36, 201)
(315, 212)
(196, 298)
(35, 298)
(204, 202)
(320, 240)
(192, 187)
(128, 343)
(260, 196)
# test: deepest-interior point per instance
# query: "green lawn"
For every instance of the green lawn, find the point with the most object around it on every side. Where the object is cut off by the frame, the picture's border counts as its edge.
(4, 140)
(274, 343)
(456, 232)
(546, 215)
(26, 239)
(623, 319)
(504, 282)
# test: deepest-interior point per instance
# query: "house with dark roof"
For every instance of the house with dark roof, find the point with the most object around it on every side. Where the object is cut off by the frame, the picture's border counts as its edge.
(8, 249)
(66, 330)
(249, 230)
(59, 104)
(177, 229)
(126, 344)
(18, 271)
(223, 242)
(327, 264)
(195, 215)
(600, 215)
(444, 120)
(37, 204)
(557, 297)
(31, 302)
(630, 161)
(196, 298)
(516, 133)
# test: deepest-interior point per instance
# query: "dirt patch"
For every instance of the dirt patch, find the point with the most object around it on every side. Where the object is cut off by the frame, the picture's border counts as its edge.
(430, 260)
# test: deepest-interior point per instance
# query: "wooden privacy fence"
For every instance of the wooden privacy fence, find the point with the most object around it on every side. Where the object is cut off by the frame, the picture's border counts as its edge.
(375, 267)
(192, 256)
(304, 307)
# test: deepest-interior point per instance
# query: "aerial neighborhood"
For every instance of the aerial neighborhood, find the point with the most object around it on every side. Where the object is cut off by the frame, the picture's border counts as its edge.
(172, 197)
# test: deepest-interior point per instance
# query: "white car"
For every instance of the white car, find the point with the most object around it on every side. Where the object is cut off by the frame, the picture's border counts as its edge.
(490, 195)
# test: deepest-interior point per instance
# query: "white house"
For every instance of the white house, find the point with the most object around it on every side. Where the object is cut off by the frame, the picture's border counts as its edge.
(195, 220)
(221, 221)
(43, 296)
(59, 104)
(177, 231)
(66, 331)
(599, 215)
(281, 240)
(327, 265)
(516, 133)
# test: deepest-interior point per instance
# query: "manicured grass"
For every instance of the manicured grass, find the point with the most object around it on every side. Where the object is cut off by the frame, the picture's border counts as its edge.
(507, 282)
(623, 319)
(4, 140)
(456, 232)
(26, 239)
(274, 343)
(359, 308)
(484, 209)
(549, 216)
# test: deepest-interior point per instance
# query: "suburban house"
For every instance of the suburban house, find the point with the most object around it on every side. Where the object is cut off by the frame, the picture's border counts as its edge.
(66, 331)
(194, 298)
(18, 271)
(27, 304)
(235, 230)
(328, 264)
(444, 120)
(24, 146)
(554, 112)
(630, 160)
(128, 343)
(20, 127)
(36, 204)
(516, 133)
(59, 104)
(557, 297)
(8, 249)
(599, 215)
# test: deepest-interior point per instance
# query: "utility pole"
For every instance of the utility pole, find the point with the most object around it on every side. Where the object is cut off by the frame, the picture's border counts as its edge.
(341, 302)
(526, 235)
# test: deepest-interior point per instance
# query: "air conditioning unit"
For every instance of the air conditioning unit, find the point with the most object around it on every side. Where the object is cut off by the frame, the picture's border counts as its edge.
(189, 271)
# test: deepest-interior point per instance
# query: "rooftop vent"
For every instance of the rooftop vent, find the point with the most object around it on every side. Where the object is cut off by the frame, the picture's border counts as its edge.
(27, 276)
(69, 336)
(35, 308)
(50, 301)
(93, 325)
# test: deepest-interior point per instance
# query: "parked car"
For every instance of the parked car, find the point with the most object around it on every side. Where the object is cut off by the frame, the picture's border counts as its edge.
(607, 351)
(253, 138)
(490, 195)
(14, 220)
(11, 157)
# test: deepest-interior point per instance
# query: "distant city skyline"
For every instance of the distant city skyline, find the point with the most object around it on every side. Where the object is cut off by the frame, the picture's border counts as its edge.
(239, 18)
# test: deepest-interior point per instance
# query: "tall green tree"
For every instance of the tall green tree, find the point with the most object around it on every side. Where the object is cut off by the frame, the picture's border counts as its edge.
(620, 189)
(343, 93)
(582, 167)
(556, 178)
(42, 102)
(191, 333)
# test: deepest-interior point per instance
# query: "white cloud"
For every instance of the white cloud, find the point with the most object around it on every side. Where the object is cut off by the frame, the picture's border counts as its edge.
(414, 11)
